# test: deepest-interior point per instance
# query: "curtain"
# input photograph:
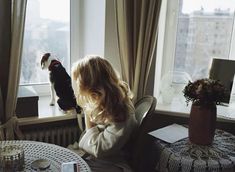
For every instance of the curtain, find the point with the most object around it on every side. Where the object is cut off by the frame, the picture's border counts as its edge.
(137, 26)
(1, 113)
(9, 125)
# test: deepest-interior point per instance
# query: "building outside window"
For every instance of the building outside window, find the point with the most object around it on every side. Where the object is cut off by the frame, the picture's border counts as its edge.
(194, 33)
(203, 37)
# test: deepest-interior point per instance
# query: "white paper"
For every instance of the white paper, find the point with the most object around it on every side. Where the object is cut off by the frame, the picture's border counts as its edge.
(171, 133)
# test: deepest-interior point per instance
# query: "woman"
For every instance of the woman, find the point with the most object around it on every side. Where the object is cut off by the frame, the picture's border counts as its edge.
(109, 113)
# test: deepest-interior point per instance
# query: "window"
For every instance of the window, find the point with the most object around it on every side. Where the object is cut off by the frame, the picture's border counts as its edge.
(47, 29)
(208, 32)
(64, 28)
(201, 17)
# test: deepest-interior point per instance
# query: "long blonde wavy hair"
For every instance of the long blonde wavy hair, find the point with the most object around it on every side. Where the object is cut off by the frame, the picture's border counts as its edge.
(100, 91)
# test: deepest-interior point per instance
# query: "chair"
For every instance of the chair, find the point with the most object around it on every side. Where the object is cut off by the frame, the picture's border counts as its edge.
(144, 107)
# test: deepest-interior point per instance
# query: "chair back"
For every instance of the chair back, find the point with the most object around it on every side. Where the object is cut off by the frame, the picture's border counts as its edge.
(144, 107)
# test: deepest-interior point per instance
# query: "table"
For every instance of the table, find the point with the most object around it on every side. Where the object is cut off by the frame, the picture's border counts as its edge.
(55, 154)
(186, 157)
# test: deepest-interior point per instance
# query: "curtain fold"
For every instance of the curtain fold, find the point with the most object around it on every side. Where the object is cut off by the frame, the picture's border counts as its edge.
(9, 127)
(123, 40)
(1, 113)
(137, 24)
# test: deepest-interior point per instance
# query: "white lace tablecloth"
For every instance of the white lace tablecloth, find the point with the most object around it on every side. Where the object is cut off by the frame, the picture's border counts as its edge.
(183, 156)
(53, 153)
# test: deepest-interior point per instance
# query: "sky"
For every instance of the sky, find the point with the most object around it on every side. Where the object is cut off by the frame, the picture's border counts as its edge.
(55, 9)
(60, 9)
(208, 5)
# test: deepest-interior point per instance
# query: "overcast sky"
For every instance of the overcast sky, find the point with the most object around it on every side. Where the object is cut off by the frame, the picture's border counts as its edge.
(60, 9)
(208, 5)
(55, 9)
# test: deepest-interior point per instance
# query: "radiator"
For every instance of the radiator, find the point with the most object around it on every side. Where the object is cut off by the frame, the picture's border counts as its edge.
(62, 136)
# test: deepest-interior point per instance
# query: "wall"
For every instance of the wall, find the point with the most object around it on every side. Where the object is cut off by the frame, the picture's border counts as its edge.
(93, 32)
(87, 29)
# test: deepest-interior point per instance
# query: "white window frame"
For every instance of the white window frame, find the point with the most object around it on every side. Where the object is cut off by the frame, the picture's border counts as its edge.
(232, 47)
(170, 35)
(166, 41)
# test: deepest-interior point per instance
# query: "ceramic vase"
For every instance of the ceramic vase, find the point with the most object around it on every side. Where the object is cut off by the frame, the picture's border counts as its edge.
(202, 124)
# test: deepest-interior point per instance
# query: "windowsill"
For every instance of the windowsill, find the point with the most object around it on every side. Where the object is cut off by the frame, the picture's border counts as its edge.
(46, 113)
(180, 109)
(45, 110)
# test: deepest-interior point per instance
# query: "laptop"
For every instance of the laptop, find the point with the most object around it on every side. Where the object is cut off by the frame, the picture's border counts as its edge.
(223, 70)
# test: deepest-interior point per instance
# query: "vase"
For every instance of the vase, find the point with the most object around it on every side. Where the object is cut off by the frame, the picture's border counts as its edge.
(202, 124)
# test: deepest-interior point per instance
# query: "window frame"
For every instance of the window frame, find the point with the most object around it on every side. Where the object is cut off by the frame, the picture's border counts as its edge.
(167, 31)
(170, 35)
(232, 45)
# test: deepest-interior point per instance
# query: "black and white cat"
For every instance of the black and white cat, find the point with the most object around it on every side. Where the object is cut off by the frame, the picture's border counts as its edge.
(61, 85)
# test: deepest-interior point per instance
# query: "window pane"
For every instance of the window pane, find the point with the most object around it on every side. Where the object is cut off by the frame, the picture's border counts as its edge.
(47, 29)
(204, 31)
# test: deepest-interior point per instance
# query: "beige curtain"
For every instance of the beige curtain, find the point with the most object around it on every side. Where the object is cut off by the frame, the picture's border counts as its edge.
(9, 127)
(1, 113)
(137, 25)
